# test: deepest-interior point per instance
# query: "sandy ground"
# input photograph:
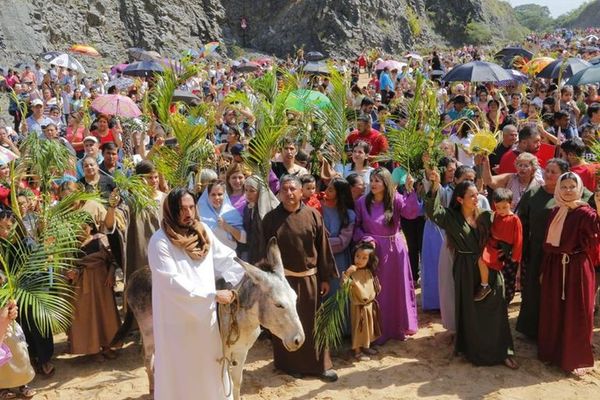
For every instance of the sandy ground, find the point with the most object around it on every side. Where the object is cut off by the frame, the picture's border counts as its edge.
(421, 367)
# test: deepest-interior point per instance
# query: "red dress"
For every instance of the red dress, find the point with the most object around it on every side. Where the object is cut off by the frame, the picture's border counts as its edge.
(507, 229)
(567, 309)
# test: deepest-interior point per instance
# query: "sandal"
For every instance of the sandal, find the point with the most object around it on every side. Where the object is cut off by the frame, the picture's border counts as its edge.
(369, 351)
(579, 372)
(6, 394)
(511, 363)
(26, 392)
(46, 370)
(361, 357)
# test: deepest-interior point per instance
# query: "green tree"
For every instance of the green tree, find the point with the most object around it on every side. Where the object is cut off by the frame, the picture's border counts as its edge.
(534, 16)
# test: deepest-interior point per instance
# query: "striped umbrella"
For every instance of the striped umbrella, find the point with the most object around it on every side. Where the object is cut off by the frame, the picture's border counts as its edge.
(209, 48)
(85, 50)
(115, 104)
(68, 61)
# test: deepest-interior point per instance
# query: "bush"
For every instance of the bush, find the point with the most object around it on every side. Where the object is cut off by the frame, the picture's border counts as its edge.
(413, 22)
(478, 33)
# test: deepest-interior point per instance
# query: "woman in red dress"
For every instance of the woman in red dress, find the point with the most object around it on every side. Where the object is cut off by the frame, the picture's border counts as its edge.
(104, 133)
(570, 253)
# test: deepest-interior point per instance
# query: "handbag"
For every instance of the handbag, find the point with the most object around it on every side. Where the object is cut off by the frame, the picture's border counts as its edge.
(18, 371)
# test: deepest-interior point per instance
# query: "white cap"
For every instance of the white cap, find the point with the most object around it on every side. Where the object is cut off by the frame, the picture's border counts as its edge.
(92, 138)
(37, 102)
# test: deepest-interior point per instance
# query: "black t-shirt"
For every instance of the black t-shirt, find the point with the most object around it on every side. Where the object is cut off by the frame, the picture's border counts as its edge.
(496, 156)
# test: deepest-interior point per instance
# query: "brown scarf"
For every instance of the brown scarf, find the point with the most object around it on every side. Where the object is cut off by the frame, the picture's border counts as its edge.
(193, 240)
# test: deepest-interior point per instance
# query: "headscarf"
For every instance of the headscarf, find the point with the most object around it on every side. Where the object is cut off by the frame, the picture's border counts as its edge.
(556, 226)
(228, 212)
(266, 199)
(193, 240)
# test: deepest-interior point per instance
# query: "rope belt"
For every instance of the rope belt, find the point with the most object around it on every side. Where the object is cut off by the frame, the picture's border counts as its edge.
(566, 259)
(303, 274)
(232, 335)
(391, 238)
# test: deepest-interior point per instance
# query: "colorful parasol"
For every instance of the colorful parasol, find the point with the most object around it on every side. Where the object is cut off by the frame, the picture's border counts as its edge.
(85, 50)
(302, 99)
(536, 65)
(6, 155)
(209, 48)
(115, 104)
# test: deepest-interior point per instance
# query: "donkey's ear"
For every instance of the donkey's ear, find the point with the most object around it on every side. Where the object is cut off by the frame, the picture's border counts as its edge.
(274, 256)
(256, 274)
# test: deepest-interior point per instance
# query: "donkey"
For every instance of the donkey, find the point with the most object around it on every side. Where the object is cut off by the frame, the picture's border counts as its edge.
(264, 298)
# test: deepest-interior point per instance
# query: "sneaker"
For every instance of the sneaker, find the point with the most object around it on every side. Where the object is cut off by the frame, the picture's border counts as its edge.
(482, 292)
(329, 376)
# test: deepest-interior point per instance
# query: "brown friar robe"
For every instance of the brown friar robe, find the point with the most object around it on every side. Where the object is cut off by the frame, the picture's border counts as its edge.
(304, 245)
(364, 311)
(95, 319)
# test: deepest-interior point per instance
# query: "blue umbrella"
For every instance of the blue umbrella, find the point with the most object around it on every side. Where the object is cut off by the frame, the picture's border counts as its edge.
(143, 68)
(191, 53)
(571, 66)
(477, 71)
(586, 76)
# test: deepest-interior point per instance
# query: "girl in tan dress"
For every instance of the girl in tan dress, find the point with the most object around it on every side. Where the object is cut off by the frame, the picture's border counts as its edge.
(364, 310)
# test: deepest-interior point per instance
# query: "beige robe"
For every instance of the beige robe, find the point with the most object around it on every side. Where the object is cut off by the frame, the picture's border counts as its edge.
(364, 311)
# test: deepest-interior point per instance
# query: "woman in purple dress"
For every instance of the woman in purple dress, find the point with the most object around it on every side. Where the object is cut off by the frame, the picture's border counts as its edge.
(234, 178)
(378, 220)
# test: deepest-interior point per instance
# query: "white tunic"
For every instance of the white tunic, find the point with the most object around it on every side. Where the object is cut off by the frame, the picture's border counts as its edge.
(186, 332)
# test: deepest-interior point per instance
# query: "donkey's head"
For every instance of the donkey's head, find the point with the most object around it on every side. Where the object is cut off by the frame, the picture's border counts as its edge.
(277, 300)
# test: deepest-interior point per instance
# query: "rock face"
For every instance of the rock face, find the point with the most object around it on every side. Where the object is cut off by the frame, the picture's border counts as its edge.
(338, 27)
(588, 17)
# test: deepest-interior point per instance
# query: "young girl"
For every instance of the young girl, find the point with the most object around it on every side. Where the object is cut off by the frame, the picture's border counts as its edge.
(505, 242)
(364, 310)
(310, 197)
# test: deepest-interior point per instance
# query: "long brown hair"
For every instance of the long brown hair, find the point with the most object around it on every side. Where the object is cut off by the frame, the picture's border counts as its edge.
(388, 194)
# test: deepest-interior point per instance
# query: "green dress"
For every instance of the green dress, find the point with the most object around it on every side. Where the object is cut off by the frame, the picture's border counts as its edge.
(482, 330)
(534, 211)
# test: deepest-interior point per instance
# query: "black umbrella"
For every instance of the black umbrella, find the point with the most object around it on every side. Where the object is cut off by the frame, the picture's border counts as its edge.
(143, 68)
(137, 53)
(314, 56)
(22, 65)
(512, 52)
(571, 66)
(50, 55)
(186, 97)
(477, 71)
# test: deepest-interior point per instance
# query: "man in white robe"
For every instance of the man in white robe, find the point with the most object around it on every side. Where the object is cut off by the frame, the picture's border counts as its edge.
(185, 258)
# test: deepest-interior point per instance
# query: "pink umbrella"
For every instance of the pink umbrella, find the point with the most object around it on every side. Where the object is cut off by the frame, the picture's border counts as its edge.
(118, 68)
(390, 64)
(115, 104)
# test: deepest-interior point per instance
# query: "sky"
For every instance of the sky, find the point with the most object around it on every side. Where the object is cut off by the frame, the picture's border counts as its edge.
(557, 7)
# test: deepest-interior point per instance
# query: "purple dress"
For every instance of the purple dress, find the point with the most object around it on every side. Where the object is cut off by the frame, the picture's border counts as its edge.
(238, 202)
(397, 301)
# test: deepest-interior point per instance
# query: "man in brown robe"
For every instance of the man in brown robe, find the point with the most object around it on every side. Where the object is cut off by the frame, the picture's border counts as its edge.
(309, 264)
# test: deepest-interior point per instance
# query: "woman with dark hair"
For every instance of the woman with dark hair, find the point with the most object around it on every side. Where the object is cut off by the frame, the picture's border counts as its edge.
(357, 186)
(339, 217)
(359, 163)
(570, 248)
(462, 140)
(482, 330)
(105, 133)
(378, 220)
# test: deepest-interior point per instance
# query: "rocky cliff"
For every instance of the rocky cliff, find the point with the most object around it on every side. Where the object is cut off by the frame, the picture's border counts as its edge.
(588, 15)
(338, 27)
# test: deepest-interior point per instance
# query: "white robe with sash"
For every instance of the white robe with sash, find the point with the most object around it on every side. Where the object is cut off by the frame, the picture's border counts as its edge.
(186, 332)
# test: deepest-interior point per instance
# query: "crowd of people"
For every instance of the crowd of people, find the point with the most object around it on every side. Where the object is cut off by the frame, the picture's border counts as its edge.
(470, 231)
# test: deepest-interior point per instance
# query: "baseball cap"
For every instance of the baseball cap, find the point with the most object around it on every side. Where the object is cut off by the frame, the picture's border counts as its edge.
(236, 149)
(90, 138)
(37, 102)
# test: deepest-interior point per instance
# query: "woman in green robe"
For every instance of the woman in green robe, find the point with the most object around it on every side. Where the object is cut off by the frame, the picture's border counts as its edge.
(482, 331)
(534, 211)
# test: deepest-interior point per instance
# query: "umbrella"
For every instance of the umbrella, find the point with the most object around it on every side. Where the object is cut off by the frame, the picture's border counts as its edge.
(414, 56)
(591, 38)
(512, 52)
(137, 53)
(186, 97)
(595, 60)
(569, 67)
(263, 61)
(314, 56)
(390, 64)
(302, 99)
(115, 104)
(313, 68)
(22, 65)
(121, 83)
(85, 50)
(516, 77)
(585, 76)
(143, 68)
(69, 62)
(247, 66)
(589, 49)
(209, 48)
(6, 155)
(536, 65)
(477, 71)
(50, 55)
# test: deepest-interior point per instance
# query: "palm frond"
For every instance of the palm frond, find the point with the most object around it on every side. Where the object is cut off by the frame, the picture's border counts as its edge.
(330, 319)
(48, 159)
(135, 191)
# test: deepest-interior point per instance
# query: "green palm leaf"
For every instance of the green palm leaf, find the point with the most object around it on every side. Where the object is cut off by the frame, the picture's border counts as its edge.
(330, 319)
